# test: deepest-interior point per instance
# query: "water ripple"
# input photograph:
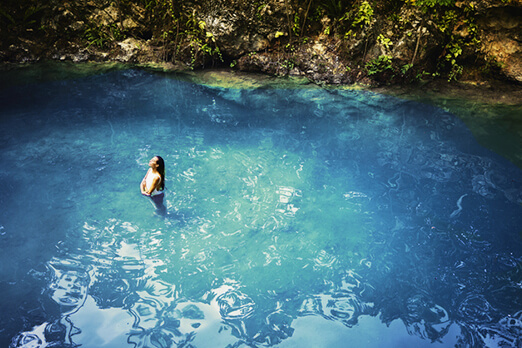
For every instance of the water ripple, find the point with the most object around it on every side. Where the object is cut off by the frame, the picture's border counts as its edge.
(233, 305)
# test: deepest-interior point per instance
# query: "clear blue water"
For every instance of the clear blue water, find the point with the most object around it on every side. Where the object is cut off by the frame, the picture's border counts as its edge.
(299, 217)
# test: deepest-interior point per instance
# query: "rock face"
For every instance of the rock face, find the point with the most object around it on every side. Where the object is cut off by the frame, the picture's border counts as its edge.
(239, 27)
(317, 60)
(501, 38)
(330, 42)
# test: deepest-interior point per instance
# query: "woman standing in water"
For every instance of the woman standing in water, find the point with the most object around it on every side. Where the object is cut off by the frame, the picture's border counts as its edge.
(153, 184)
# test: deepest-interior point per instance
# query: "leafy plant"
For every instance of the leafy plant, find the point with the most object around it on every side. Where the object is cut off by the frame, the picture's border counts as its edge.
(349, 34)
(364, 15)
(260, 10)
(384, 41)
(423, 73)
(453, 52)
(295, 27)
(378, 65)
(491, 63)
(472, 28)
(447, 21)
(327, 30)
(405, 68)
(432, 3)
(288, 64)
(200, 40)
(101, 35)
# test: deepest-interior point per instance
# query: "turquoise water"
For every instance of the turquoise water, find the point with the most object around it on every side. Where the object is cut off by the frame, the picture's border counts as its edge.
(296, 217)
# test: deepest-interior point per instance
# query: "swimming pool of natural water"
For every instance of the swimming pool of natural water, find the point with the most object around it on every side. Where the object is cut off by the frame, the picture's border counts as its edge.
(297, 217)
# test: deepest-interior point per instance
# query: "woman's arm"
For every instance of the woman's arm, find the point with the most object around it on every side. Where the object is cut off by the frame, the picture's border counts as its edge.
(143, 185)
(155, 182)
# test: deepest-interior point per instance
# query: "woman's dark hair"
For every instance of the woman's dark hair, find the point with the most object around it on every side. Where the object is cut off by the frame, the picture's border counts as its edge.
(161, 170)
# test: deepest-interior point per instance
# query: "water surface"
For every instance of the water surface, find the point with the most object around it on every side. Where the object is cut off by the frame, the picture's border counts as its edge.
(296, 217)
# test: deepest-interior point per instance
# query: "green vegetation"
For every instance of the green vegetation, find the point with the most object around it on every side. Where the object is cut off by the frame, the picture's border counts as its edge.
(101, 35)
(379, 65)
(22, 14)
(169, 24)
(181, 31)
(433, 3)
(183, 35)
(405, 68)
(384, 41)
(287, 64)
(364, 15)
(491, 64)
(200, 41)
(295, 27)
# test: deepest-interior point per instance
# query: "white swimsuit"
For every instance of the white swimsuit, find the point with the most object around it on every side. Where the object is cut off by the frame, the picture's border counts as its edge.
(148, 184)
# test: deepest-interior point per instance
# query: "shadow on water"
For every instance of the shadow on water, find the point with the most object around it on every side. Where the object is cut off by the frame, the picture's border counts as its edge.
(491, 112)
(294, 217)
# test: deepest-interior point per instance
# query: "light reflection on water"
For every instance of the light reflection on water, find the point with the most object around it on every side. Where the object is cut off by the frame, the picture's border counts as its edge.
(296, 217)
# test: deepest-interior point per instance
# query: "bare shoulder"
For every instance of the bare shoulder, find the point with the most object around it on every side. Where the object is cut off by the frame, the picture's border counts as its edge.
(156, 176)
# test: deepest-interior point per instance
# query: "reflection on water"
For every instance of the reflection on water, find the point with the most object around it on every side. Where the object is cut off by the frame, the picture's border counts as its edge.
(295, 217)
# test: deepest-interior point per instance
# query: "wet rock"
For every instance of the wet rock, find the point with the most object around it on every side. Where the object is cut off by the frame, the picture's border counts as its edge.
(417, 40)
(317, 60)
(239, 28)
(501, 39)
(129, 50)
(105, 16)
(77, 56)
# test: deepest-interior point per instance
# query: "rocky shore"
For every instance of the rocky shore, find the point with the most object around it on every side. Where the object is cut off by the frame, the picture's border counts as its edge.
(327, 42)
